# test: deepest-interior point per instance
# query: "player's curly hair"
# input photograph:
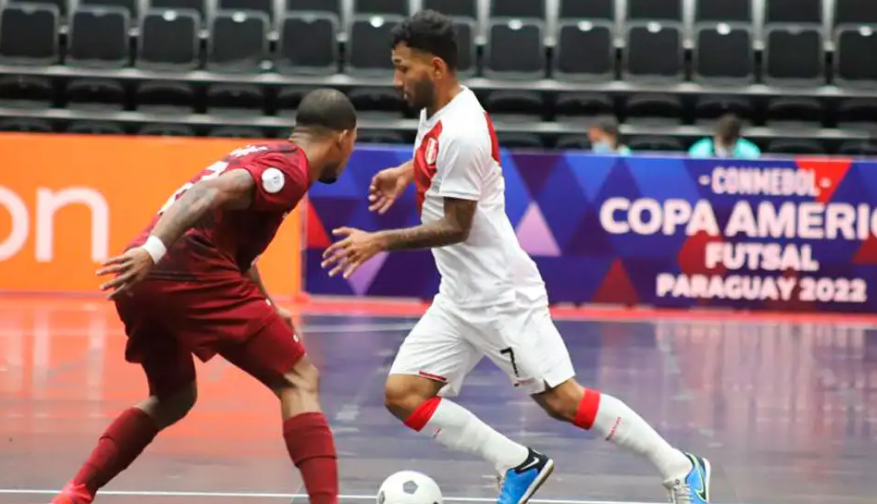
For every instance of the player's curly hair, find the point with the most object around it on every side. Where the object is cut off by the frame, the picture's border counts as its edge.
(431, 32)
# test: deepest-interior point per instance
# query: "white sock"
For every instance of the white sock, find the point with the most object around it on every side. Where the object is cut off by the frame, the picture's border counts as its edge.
(621, 425)
(458, 429)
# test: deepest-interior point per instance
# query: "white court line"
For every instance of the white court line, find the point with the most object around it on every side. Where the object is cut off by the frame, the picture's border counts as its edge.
(270, 495)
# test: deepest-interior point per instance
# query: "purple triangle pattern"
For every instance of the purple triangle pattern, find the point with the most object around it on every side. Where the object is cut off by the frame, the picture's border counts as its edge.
(362, 279)
(535, 235)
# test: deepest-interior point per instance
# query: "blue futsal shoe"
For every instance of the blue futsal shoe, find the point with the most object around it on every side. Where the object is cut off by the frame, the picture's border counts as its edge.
(695, 488)
(520, 483)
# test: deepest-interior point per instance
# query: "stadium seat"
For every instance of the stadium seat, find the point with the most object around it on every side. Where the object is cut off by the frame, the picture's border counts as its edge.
(708, 109)
(466, 29)
(857, 112)
(169, 40)
(95, 94)
(855, 62)
(591, 10)
(573, 142)
(653, 110)
(795, 147)
(381, 7)
(515, 105)
(515, 50)
(264, 6)
(520, 140)
(571, 63)
(368, 50)
(734, 43)
(99, 37)
(245, 100)
(174, 130)
(95, 128)
(288, 98)
(328, 6)
(518, 9)
(654, 10)
(858, 148)
(238, 41)
(795, 112)
(456, 8)
(24, 91)
(582, 107)
(26, 125)
(654, 144)
(793, 11)
(855, 12)
(236, 132)
(29, 34)
(132, 6)
(793, 54)
(724, 11)
(61, 5)
(165, 97)
(377, 103)
(654, 52)
(380, 137)
(308, 44)
(198, 6)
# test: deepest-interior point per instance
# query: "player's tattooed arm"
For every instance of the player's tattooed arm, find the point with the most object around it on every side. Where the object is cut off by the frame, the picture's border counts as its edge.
(233, 190)
(453, 228)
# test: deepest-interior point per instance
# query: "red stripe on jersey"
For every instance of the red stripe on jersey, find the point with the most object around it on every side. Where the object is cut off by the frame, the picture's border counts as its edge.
(494, 142)
(425, 163)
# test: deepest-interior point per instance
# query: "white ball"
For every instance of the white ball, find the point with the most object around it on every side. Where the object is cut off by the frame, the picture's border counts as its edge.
(409, 487)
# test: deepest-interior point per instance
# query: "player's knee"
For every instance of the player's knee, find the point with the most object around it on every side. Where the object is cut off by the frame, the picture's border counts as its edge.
(304, 379)
(404, 393)
(169, 408)
(562, 401)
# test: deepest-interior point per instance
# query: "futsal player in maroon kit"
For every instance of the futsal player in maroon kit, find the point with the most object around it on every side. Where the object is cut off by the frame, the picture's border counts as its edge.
(188, 287)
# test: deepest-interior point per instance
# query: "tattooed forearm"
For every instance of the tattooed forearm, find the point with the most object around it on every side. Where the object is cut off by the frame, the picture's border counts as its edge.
(434, 234)
(453, 228)
(232, 190)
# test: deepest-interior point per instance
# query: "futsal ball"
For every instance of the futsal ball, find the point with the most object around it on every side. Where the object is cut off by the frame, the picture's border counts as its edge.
(409, 487)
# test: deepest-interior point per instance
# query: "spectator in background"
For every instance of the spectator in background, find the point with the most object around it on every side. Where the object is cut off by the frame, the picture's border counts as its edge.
(604, 137)
(726, 142)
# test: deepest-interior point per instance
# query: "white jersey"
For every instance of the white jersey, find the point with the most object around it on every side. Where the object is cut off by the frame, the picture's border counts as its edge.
(456, 155)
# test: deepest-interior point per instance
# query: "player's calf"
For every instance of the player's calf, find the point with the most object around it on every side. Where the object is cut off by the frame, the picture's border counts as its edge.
(125, 439)
(405, 394)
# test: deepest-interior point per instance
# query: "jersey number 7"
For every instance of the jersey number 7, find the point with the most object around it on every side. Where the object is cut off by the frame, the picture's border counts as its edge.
(211, 172)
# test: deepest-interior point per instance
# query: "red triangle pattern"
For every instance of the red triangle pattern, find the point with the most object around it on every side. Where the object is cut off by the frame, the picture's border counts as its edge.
(616, 287)
(316, 236)
(867, 253)
(692, 255)
(833, 170)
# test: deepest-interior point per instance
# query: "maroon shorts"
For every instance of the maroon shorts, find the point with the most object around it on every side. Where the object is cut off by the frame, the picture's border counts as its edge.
(167, 322)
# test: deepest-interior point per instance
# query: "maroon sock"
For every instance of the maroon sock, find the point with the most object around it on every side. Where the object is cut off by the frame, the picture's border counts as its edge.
(122, 442)
(312, 449)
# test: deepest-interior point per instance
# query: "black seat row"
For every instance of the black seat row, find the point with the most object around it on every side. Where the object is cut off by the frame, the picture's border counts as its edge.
(238, 42)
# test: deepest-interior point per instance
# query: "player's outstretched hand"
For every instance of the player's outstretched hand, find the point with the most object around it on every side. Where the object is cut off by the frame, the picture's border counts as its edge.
(386, 186)
(129, 268)
(352, 251)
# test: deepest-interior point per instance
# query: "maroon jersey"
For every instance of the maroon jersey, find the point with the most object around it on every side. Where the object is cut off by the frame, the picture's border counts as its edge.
(226, 242)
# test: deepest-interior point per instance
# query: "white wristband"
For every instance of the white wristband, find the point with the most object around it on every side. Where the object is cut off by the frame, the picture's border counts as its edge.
(155, 248)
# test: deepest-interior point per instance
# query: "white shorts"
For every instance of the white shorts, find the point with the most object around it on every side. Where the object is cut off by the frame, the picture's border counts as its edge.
(520, 338)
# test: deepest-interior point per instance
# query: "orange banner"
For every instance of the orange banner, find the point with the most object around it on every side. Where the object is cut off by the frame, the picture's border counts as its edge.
(68, 202)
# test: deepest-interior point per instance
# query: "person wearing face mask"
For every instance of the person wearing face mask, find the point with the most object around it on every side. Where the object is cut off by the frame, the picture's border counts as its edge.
(726, 142)
(604, 137)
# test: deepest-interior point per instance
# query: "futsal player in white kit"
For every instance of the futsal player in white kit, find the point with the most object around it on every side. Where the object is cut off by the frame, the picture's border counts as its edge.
(492, 300)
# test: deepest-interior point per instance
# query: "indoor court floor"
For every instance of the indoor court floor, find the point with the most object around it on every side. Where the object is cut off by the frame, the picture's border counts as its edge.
(785, 407)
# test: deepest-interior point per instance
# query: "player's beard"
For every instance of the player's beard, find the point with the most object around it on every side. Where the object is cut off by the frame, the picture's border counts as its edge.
(423, 95)
(329, 175)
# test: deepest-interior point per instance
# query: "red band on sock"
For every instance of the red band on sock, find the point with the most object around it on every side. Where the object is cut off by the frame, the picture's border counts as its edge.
(312, 449)
(418, 418)
(587, 410)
